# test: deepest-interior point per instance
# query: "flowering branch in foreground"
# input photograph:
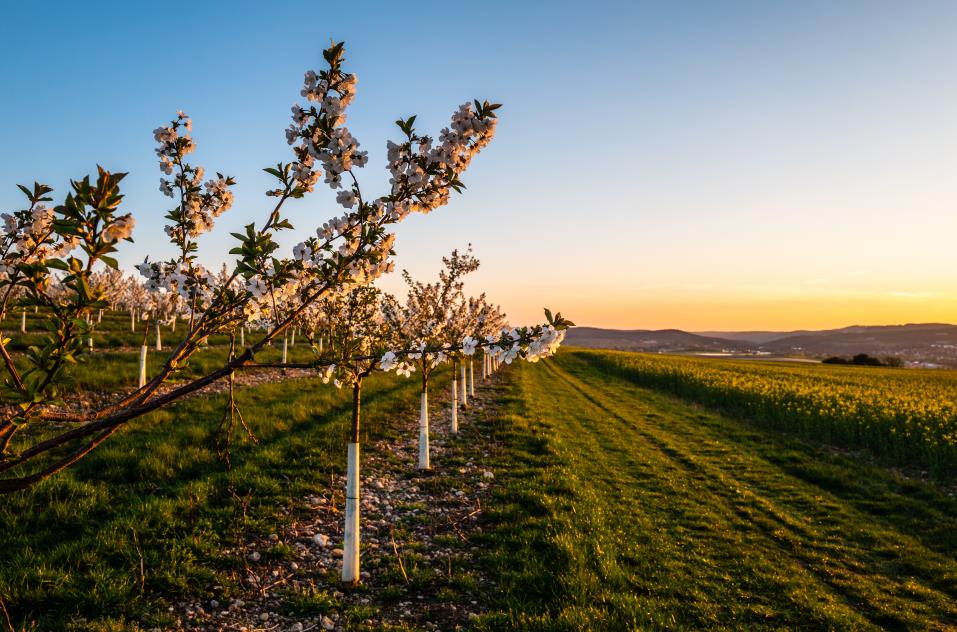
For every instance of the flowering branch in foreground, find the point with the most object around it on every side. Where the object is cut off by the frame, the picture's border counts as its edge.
(264, 288)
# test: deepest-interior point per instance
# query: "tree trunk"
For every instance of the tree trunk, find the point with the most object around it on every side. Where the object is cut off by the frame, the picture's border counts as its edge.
(159, 337)
(99, 317)
(465, 387)
(132, 321)
(242, 336)
(23, 321)
(285, 347)
(350, 547)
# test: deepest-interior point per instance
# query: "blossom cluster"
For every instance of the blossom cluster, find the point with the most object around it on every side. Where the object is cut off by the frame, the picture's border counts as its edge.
(392, 362)
(191, 282)
(173, 146)
(423, 173)
(430, 358)
(31, 234)
(361, 263)
(529, 343)
(200, 202)
(319, 132)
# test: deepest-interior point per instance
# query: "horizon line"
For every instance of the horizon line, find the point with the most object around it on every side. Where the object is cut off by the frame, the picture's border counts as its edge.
(770, 331)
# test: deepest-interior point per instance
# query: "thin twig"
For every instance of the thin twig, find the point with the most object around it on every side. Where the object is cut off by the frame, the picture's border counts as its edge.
(395, 548)
(139, 552)
(6, 615)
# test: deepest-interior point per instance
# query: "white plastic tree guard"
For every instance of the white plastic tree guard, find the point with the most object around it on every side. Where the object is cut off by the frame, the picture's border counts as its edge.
(424, 432)
(455, 404)
(142, 380)
(350, 548)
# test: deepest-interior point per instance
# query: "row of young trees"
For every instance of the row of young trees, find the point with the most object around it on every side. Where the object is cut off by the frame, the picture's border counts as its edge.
(436, 324)
(60, 260)
(119, 291)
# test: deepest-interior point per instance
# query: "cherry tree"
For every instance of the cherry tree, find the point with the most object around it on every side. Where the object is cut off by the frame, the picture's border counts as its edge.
(456, 323)
(109, 283)
(421, 323)
(360, 334)
(483, 319)
(490, 321)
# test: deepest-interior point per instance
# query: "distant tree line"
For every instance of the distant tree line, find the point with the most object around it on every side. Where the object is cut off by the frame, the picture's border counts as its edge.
(862, 359)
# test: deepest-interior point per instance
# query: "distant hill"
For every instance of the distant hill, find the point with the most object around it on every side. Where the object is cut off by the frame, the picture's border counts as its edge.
(913, 342)
(752, 337)
(673, 340)
(919, 344)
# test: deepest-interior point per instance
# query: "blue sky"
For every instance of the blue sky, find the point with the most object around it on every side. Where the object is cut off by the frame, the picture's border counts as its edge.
(699, 165)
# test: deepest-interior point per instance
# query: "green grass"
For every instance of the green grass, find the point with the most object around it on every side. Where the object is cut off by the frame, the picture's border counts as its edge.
(70, 543)
(111, 333)
(621, 508)
(615, 507)
(114, 363)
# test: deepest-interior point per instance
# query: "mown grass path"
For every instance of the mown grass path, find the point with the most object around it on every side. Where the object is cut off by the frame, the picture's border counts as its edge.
(626, 509)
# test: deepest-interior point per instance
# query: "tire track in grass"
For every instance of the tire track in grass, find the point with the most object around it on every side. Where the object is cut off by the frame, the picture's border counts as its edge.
(663, 558)
(799, 534)
(692, 527)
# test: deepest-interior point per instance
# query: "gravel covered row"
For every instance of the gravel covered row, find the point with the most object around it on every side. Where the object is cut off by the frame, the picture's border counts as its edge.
(418, 539)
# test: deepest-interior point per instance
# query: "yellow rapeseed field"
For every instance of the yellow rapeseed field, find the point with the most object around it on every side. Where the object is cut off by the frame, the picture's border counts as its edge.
(904, 416)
